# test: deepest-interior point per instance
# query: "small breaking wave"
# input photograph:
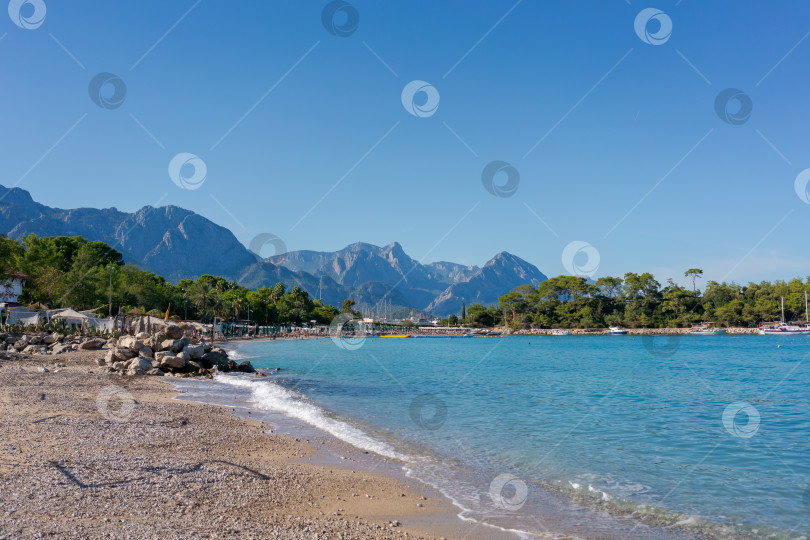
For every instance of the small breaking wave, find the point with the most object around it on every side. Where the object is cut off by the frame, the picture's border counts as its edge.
(269, 396)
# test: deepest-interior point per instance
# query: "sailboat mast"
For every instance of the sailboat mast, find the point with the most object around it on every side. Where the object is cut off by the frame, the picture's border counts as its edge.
(806, 315)
(783, 310)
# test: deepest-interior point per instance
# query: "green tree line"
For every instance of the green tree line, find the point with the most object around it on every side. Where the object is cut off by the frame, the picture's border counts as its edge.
(638, 300)
(74, 272)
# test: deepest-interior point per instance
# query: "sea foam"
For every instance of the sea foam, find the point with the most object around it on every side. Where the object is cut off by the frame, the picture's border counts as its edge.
(269, 396)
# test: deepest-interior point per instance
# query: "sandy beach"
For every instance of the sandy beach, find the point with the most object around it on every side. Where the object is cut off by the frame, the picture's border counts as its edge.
(89, 454)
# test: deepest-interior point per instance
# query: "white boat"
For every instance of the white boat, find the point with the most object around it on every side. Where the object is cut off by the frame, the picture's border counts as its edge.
(706, 329)
(560, 332)
(784, 329)
(617, 331)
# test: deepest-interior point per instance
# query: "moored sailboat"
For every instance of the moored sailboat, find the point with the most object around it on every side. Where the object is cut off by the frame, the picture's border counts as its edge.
(785, 329)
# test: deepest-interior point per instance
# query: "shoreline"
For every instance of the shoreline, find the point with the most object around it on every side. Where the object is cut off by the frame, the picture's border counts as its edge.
(444, 520)
(335, 452)
(89, 454)
(506, 332)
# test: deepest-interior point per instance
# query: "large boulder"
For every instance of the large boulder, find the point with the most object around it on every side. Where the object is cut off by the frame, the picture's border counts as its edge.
(154, 344)
(91, 345)
(245, 367)
(173, 331)
(184, 355)
(131, 342)
(139, 363)
(126, 341)
(138, 366)
(180, 344)
(21, 343)
(143, 336)
(195, 352)
(146, 352)
(109, 358)
(217, 357)
(172, 362)
(123, 353)
(162, 354)
(59, 348)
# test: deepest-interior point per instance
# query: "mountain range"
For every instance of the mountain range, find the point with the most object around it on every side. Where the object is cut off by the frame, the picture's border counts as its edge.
(177, 243)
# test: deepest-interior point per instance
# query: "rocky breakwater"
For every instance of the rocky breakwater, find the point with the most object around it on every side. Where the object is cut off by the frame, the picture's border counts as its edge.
(630, 331)
(168, 352)
(40, 343)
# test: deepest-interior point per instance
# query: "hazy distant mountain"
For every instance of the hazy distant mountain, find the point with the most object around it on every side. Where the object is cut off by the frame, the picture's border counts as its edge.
(177, 243)
(499, 276)
(363, 263)
(438, 288)
(451, 272)
(358, 262)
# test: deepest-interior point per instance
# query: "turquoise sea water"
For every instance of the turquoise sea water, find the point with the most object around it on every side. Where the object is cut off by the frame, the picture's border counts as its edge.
(591, 436)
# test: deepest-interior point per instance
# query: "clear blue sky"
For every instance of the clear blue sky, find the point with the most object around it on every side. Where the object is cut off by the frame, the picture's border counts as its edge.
(615, 118)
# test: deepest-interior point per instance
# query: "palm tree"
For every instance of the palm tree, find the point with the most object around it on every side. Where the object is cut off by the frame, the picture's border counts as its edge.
(297, 294)
(202, 296)
(220, 306)
(277, 292)
(238, 306)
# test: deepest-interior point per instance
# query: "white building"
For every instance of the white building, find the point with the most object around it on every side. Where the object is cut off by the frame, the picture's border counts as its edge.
(11, 285)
